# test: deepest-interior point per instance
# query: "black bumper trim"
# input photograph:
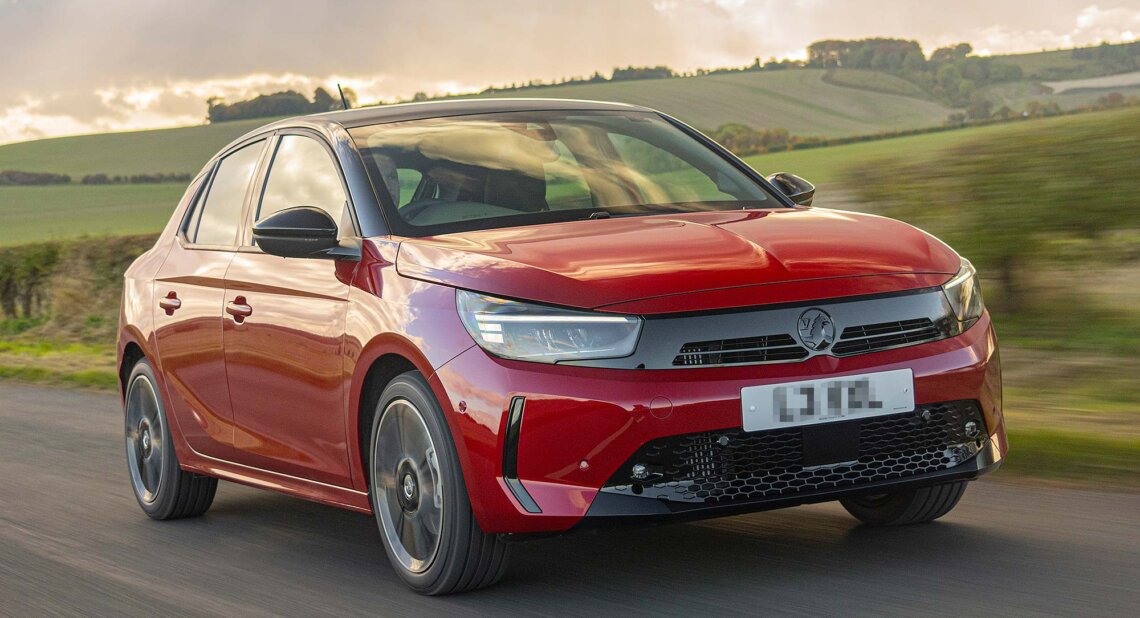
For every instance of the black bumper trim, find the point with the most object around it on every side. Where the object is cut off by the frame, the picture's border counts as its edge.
(612, 508)
(511, 457)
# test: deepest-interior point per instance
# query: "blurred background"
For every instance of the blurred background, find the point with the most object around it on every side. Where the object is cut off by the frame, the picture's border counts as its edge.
(1009, 129)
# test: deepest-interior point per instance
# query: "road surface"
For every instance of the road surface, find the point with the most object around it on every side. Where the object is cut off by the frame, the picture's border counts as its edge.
(73, 541)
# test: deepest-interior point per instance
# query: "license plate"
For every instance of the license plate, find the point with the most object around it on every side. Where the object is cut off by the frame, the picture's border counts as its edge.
(810, 402)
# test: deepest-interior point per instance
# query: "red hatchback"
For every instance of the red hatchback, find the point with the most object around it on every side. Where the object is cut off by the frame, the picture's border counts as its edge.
(483, 320)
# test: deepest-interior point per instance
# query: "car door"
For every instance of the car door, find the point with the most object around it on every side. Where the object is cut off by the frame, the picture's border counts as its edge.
(284, 329)
(190, 290)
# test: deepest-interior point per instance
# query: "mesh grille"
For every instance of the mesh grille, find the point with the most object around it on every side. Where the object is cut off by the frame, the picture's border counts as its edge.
(731, 465)
(872, 337)
(762, 349)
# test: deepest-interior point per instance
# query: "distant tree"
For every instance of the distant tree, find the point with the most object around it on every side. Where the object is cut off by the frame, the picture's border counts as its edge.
(1004, 113)
(632, 72)
(980, 109)
(323, 101)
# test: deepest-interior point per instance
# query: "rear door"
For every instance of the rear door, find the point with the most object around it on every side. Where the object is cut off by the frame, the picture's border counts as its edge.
(189, 290)
(285, 358)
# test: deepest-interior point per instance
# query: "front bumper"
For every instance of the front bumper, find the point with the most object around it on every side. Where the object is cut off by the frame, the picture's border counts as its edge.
(580, 427)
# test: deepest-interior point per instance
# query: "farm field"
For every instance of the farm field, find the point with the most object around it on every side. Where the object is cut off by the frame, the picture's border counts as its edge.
(800, 101)
(31, 214)
(164, 151)
(1120, 80)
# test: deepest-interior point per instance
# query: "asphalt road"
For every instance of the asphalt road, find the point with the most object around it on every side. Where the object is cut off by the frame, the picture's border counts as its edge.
(73, 541)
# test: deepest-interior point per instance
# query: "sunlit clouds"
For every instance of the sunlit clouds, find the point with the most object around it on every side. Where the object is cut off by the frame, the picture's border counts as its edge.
(78, 67)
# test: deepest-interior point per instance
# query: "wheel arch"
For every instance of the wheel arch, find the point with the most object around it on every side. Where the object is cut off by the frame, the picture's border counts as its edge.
(379, 362)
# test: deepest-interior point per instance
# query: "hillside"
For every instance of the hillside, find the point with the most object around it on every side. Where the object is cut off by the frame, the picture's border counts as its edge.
(801, 101)
(181, 150)
(32, 214)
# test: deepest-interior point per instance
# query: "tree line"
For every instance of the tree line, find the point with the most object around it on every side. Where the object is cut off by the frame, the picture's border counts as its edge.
(287, 103)
(18, 178)
(134, 179)
(951, 75)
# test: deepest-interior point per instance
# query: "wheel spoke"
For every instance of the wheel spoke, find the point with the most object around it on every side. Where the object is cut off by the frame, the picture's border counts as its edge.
(153, 467)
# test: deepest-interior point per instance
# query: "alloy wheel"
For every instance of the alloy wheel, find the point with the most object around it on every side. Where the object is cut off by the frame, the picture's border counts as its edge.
(408, 492)
(145, 435)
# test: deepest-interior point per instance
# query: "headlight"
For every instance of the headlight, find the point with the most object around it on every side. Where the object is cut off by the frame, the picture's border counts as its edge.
(965, 295)
(545, 334)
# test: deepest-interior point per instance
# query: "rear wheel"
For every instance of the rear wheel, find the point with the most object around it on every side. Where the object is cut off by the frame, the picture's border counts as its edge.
(419, 497)
(905, 507)
(162, 488)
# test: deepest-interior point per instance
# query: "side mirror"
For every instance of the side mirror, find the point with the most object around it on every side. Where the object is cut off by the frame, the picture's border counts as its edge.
(797, 189)
(303, 231)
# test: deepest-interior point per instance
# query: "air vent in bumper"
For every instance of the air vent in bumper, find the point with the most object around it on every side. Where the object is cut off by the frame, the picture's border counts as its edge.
(730, 466)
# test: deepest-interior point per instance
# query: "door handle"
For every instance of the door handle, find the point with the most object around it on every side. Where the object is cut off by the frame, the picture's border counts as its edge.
(239, 309)
(170, 303)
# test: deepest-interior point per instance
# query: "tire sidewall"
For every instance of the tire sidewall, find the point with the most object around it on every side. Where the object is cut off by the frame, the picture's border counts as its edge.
(412, 387)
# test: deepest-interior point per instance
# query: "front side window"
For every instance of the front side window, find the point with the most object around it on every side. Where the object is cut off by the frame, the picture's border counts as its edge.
(217, 218)
(304, 174)
(519, 168)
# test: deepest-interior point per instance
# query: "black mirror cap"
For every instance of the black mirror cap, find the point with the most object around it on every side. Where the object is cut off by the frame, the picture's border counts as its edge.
(302, 231)
(797, 189)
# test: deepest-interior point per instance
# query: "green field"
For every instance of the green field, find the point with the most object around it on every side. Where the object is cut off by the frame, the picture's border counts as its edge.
(162, 151)
(1053, 65)
(31, 214)
(800, 101)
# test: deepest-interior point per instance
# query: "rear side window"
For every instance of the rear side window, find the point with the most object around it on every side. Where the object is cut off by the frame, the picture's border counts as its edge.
(304, 174)
(218, 217)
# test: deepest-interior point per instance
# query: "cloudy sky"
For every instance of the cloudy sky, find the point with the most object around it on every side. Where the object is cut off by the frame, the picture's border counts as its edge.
(96, 65)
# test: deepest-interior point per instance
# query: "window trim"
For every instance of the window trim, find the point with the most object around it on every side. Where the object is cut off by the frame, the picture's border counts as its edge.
(253, 204)
(208, 184)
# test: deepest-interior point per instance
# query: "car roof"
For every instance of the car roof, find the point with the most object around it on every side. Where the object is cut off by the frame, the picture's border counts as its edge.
(438, 109)
(329, 122)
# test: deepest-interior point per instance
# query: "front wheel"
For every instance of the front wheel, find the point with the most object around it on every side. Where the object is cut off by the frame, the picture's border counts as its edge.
(162, 488)
(905, 507)
(419, 497)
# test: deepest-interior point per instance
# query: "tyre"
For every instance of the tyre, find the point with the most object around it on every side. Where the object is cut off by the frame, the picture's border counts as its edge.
(419, 497)
(162, 488)
(905, 507)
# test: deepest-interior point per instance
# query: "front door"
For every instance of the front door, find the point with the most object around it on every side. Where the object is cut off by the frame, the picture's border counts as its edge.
(284, 330)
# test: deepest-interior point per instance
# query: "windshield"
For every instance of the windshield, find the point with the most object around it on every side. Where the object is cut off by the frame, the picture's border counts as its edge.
(446, 175)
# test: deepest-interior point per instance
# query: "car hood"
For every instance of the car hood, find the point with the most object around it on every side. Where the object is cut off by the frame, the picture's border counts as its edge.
(686, 262)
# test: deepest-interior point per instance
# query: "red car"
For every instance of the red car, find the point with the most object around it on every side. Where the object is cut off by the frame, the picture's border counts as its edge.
(484, 320)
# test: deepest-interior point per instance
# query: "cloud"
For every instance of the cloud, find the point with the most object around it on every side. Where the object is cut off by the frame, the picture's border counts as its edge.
(74, 66)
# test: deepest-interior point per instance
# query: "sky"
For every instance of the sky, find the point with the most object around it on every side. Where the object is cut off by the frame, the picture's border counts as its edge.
(70, 67)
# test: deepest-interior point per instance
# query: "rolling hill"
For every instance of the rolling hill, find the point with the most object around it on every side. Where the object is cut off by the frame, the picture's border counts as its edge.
(801, 101)
(32, 214)
(807, 102)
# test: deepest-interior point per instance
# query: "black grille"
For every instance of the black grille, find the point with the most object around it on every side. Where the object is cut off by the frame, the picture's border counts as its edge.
(764, 349)
(731, 465)
(872, 337)
(783, 348)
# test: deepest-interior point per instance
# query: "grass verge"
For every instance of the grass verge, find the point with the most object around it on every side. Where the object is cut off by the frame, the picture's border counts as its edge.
(1058, 455)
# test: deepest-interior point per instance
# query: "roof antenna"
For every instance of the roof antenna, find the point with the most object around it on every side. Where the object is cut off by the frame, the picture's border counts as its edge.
(343, 101)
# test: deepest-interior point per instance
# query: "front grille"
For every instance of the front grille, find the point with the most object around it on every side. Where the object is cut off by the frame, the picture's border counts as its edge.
(783, 348)
(764, 349)
(872, 337)
(734, 466)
